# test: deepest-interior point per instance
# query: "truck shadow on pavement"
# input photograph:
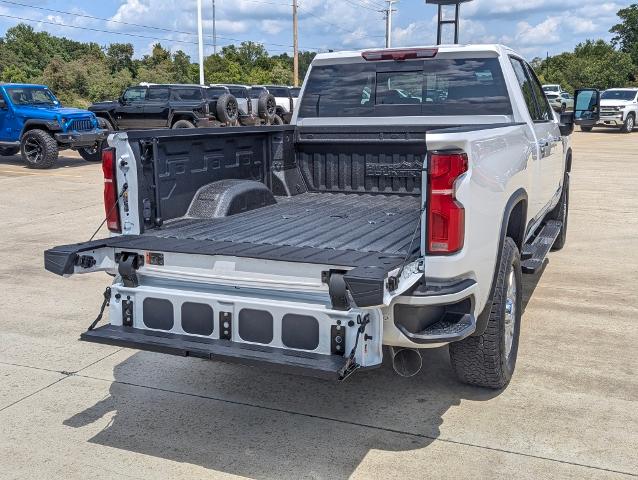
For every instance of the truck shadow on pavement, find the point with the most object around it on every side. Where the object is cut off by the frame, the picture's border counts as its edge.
(250, 422)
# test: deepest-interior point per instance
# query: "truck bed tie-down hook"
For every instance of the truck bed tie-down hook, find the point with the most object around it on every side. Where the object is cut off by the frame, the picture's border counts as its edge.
(351, 365)
(107, 300)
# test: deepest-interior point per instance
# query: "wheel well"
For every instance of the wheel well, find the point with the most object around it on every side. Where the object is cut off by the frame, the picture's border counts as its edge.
(179, 117)
(34, 126)
(517, 222)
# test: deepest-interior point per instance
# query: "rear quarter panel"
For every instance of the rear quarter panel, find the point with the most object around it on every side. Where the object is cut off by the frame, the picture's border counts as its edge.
(500, 163)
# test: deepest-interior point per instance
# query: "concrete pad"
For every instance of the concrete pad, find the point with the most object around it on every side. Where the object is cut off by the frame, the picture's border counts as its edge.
(18, 382)
(568, 413)
(103, 430)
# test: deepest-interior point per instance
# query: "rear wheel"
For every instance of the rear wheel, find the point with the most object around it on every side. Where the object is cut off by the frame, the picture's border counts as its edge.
(276, 120)
(183, 124)
(488, 360)
(90, 154)
(39, 149)
(586, 129)
(105, 124)
(630, 123)
(8, 151)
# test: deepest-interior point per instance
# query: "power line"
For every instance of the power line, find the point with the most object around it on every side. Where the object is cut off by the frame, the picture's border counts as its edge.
(360, 5)
(308, 12)
(59, 24)
(150, 27)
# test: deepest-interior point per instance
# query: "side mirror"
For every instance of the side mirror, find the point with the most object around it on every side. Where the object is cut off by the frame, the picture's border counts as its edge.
(3, 104)
(587, 107)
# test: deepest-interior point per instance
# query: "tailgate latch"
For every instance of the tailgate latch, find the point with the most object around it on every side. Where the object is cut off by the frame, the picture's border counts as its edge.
(127, 266)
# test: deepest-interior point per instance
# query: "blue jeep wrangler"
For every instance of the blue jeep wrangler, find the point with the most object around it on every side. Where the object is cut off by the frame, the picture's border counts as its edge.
(33, 122)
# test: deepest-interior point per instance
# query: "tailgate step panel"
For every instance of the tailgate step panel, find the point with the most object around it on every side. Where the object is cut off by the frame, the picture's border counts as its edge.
(286, 361)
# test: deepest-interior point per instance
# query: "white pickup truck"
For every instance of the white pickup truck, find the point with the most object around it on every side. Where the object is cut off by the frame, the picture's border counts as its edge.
(398, 212)
(618, 108)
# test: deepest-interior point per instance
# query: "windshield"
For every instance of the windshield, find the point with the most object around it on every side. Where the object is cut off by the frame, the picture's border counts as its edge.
(31, 96)
(627, 95)
(383, 89)
(551, 88)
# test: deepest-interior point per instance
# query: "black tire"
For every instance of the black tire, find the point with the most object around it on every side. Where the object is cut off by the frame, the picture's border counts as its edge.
(485, 360)
(8, 151)
(266, 106)
(91, 154)
(39, 149)
(227, 109)
(183, 124)
(105, 124)
(561, 213)
(276, 120)
(586, 129)
(630, 123)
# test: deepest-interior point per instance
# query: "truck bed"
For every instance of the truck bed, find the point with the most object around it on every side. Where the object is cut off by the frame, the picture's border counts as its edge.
(328, 221)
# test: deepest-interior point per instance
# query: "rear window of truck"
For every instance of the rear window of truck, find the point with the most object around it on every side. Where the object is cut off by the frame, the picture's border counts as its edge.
(431, 88)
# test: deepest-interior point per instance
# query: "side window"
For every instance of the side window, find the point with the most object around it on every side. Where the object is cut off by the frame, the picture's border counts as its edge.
(157, 95)
(238, 92)
(526, 88)
(186, 94)
(256, 92)
(135, 94)
(543, 104)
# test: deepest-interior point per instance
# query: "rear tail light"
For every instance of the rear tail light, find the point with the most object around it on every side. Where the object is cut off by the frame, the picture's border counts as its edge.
(446, 216)
(111, 196)
(399, 54)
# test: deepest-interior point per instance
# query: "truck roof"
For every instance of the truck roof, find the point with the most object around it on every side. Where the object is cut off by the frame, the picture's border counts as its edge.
(625, 89)
(441, 49)
(22, 85)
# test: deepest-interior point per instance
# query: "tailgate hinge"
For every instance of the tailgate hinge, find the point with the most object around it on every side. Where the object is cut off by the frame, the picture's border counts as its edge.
(127, 266)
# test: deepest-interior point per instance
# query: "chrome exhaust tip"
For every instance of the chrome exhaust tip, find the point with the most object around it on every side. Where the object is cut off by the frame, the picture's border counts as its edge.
(406, 362)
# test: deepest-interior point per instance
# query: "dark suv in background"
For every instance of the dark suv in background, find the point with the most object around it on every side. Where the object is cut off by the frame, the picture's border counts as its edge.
(168, 106)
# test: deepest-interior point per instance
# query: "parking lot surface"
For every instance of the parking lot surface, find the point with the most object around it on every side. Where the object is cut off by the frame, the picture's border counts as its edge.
(75, 410)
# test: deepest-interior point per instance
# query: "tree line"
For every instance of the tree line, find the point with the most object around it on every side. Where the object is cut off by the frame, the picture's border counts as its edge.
(81, 73)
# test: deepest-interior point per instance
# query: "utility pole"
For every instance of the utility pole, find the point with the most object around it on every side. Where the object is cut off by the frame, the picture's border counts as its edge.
(200, 33)
(214, 30)
(295, 43)
(388, 22)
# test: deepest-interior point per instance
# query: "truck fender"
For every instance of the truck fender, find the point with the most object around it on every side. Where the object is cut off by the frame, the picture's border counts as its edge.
(229, 197)
(516, 230)
(185, 115)
(35, 123)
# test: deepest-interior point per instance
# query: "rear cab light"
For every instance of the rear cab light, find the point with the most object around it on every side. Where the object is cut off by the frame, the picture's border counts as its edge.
(399, 54)
(111, 196)
(445, 214)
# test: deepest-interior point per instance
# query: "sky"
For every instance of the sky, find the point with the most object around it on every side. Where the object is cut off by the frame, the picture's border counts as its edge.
(533, 27)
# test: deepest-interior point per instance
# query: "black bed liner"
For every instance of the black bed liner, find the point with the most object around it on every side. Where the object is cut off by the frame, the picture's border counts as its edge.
(368, 235)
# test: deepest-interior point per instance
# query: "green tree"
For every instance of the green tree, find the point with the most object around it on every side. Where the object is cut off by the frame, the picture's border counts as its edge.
(626, 32)
(120, 57)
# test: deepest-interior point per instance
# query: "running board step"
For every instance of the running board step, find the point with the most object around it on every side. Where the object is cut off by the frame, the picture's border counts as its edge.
(533, 254)
(287, 361)
(453, 327)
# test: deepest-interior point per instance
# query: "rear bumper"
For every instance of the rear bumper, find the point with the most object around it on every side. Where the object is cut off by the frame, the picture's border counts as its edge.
(81, 139)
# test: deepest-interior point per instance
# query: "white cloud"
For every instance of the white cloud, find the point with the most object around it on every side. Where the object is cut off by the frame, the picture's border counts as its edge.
(545, 33)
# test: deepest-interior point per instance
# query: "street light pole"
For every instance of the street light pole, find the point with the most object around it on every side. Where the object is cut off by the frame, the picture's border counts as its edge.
(200, 33)
(295, 43)
(388, 23)
(214, 30)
